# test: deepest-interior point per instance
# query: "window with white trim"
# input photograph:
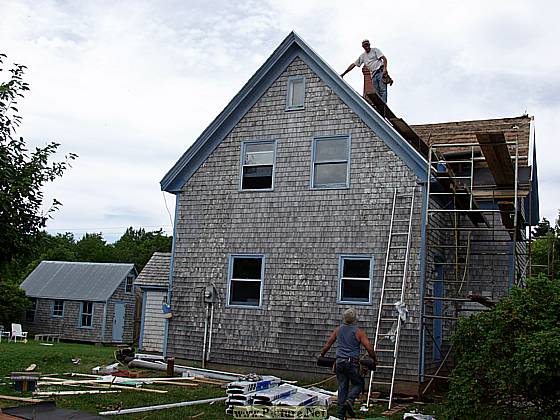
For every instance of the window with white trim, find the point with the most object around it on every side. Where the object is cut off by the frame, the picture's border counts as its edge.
(86, 315)
(246, 275)
(58, 308)
(296, 93)
(331, 162)
(129, 283)
(355, 279)
(257, 165)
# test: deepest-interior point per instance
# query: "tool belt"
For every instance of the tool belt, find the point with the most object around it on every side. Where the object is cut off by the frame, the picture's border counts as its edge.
(329, 362)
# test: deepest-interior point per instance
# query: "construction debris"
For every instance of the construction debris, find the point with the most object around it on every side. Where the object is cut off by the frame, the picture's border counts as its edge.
(413, 415)
(160, 407)
(105, 370)
(61, 393)
(31, 367)
(192, 371)
(20, 399)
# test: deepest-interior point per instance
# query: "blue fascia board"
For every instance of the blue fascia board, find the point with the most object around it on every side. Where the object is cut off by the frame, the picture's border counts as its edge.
(292, 47)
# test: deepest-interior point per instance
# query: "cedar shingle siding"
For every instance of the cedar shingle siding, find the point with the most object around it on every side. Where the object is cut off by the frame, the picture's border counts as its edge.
(301, 232)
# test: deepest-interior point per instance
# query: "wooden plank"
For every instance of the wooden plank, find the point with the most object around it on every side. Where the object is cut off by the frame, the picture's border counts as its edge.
(410, 136)
(496, 152)
(380, 106)
(21, 399)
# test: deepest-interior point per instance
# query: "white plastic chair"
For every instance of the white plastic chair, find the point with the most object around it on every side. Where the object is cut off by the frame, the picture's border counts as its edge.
(18, 333)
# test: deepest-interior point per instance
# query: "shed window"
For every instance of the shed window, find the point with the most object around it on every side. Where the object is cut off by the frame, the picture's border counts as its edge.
(257, 165)
(296, 93)
(246, 273)
(331, 158)
(355, 279)
(30, 312)
(129, 283)
(86, 316)
(58, 308)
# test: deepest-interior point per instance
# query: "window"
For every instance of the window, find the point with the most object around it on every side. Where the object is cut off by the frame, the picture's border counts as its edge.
(129, 283)
(331, 158)
(30, 313)
(246, 273)
(296, 93)
(86, 315)
(58, 308)
(257, 166)
(355, 279)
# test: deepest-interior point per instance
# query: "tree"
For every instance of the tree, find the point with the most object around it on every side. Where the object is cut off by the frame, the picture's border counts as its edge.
(545, 249)
(92, 248)
(22, 175)
(137, 246)
(508, 358)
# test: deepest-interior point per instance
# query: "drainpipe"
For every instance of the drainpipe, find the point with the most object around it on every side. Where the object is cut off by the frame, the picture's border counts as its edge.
(209, 299)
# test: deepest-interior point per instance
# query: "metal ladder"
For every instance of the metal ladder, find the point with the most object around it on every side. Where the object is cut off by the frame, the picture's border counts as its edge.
(393, 287)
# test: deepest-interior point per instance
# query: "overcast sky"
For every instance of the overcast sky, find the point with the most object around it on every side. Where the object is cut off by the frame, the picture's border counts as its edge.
(129, 85)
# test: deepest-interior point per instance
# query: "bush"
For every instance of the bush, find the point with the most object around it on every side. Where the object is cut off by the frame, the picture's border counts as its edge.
(13, 304)
(508, 358)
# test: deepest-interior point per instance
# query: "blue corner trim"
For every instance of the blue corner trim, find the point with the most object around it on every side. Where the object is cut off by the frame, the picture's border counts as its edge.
(292, 47)
(534, 194)
(423, 241)
(141, 338)
(171, 267)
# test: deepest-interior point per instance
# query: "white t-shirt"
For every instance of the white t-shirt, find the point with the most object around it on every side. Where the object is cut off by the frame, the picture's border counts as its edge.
(372, 59)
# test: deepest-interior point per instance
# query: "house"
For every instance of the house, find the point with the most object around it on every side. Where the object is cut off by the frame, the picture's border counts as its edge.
(81, 301)
(153, 282)
(303, 198)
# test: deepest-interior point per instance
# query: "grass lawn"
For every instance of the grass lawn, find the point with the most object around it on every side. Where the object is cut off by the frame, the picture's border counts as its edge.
(58, 359)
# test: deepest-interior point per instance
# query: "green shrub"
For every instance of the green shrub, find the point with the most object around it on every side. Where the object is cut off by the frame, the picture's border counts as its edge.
(508, 358)
(13, 304)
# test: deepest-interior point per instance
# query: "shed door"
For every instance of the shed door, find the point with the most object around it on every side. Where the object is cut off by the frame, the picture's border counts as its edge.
(118, 322)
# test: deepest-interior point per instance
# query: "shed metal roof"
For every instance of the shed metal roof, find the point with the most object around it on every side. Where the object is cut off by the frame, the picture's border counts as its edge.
(75, 280)
(156, 271)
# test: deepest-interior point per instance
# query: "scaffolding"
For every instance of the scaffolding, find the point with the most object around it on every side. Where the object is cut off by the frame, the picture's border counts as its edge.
(475, 236)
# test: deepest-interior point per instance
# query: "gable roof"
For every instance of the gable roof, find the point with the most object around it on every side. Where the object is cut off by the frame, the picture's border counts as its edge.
(292, 46)
(75, 280)
(156, 271)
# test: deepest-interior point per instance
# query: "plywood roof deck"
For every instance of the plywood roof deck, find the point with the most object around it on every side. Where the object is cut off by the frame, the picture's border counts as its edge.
(457, 132)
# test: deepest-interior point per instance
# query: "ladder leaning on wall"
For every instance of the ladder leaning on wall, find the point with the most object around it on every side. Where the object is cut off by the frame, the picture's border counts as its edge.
(391, 312)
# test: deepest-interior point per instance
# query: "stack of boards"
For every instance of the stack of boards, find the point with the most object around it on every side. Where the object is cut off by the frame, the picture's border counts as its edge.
(270, 390)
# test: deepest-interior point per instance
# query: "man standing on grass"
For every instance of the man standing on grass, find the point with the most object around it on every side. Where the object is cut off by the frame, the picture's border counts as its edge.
(349, 338)
(376, 62)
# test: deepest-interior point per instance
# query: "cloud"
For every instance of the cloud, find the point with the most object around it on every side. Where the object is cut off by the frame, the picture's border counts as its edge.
(130, 85)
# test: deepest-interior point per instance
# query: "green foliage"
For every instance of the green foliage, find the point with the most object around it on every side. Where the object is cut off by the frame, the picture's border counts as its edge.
(22, 174)
(13, 303)
(137, 246)
(545, 256)
(508, 358)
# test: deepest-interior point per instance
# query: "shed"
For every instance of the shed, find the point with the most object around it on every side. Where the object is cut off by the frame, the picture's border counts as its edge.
(153, 282)
(82, 301)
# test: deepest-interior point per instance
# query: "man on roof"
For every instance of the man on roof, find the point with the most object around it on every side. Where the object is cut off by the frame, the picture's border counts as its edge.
(376, 62)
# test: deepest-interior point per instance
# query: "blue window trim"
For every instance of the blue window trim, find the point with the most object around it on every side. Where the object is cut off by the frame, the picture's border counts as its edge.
(53, 306)
(81, 313)
(340, 271)
(338, 186)
(290, 84)
(129, 275)
(243, 144)
(230, 273)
